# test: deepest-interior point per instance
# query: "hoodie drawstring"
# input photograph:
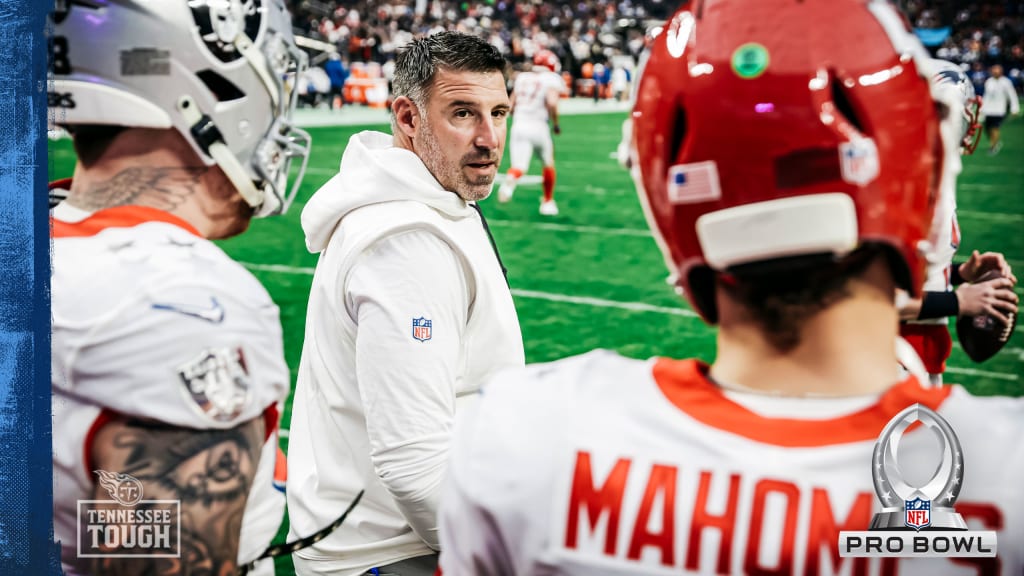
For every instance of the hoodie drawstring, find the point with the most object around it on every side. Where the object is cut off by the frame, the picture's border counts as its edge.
(494, 246)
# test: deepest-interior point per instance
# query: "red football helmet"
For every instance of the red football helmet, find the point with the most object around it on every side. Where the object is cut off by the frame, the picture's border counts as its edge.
(547, 59)
(762, 134)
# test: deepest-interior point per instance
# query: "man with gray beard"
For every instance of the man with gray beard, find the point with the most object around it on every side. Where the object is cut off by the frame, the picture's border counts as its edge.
(409, 312)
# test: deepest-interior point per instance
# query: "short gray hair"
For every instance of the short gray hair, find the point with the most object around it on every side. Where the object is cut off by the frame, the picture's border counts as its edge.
(417, 63)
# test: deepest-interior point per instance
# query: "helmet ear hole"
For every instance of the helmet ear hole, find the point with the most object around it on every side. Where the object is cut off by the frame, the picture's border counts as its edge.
(844, 106)
(678, 135)
(220, 86)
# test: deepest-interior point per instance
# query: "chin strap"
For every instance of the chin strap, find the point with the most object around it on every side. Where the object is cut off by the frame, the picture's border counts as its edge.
(209, 138)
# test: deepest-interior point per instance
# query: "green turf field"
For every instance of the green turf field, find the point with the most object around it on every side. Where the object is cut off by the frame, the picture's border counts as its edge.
(592, 276)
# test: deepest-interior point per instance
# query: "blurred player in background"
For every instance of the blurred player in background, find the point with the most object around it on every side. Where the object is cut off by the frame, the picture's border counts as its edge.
(624, 151)
(792, 193)
(409, 313)
(1000, 101)
(168, 363)
(926, 319)
(535, 96)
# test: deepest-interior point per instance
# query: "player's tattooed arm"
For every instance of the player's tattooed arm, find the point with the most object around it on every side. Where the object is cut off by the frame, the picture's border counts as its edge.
(209, 471)
(159, 187)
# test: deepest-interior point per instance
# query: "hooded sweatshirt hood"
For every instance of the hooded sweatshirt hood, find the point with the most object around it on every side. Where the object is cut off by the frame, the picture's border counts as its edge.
(374, 170)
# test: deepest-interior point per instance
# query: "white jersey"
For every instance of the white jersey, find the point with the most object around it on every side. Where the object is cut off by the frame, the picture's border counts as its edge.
(150, 320)
(945, 229)
(409, 313)
(531, 90)
(1000, 98)
(603, 465)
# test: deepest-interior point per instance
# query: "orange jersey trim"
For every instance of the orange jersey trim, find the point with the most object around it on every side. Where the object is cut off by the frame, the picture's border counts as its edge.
(117, 217)
(685, 384)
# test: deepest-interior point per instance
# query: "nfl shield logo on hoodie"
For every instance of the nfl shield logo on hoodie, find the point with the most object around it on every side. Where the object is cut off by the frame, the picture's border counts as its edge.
(421, 329)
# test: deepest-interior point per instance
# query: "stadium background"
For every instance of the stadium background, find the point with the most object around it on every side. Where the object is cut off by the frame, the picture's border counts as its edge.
(592, 277)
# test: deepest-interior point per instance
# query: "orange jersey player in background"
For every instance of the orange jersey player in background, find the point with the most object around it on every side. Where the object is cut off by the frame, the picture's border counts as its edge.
(790, 171)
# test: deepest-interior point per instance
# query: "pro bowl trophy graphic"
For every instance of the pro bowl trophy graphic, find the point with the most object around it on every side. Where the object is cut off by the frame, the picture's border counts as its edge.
(930, 505)
(917, 521)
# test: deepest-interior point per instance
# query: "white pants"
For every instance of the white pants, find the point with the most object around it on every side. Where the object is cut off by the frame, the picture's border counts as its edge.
(527, 139)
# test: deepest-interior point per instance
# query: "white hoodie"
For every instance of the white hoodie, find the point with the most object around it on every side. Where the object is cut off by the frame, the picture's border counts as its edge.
(378, 387)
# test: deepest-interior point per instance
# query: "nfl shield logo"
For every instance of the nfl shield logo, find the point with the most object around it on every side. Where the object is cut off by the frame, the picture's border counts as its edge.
(421, 329)
(858, 161)
(918, 513)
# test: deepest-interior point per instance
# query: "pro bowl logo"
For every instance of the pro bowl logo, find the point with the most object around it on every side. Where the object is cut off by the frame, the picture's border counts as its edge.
(917, 521)
(127, 526)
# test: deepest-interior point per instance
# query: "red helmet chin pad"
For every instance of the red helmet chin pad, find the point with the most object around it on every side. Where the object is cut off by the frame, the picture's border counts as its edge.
(784, 107)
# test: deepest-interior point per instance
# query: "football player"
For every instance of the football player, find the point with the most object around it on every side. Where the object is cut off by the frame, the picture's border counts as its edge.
(624, 150)
(926, 319)
(535, 96)
(790, 172)
(168, 369)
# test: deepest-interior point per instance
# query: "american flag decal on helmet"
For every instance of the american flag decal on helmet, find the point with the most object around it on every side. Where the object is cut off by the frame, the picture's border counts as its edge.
(692, 183)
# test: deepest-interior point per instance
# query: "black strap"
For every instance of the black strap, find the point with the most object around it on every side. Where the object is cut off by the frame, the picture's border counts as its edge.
(290, 547)
(938, 305)
(954, 274)
(494, 245)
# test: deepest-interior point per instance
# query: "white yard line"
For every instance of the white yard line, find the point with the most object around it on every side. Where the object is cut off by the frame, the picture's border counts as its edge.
(281, 268)
(993, 169)
(985, 373)
(495, 222)
(554, 297)
(534, 294)
(983, 187)
(602, 303)
(993, 216)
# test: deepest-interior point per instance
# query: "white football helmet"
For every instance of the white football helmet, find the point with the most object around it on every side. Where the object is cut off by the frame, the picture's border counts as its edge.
(214, 70)
(949, 76)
